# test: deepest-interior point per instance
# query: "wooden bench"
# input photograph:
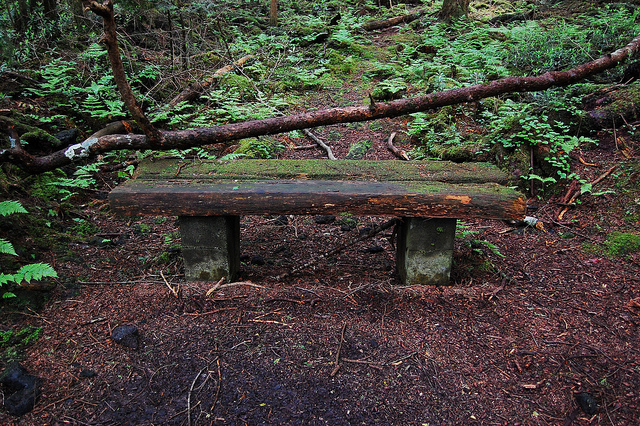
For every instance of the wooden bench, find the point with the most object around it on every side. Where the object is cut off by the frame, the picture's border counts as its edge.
(210, 196)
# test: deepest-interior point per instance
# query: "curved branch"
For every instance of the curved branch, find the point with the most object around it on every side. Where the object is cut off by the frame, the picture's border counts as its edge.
(105, 11)
(230, 132)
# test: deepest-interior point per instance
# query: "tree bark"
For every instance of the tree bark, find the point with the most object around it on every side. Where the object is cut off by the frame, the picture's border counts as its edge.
(397, 20)
(231, 132)
(273, 13)
(452, 9)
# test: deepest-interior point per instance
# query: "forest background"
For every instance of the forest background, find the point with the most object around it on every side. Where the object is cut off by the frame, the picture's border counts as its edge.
(572, 150)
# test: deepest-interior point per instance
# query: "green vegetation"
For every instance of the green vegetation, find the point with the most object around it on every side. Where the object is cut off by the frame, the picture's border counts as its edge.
(320, 47)
(12, 342)
(26, 273)
(622, 243)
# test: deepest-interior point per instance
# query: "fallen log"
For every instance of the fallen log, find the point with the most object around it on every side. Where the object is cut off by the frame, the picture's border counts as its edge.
(194, 91)
(230, 132)
(396, 20)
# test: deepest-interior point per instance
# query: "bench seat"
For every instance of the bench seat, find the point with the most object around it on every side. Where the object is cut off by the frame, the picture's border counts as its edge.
(209, 196)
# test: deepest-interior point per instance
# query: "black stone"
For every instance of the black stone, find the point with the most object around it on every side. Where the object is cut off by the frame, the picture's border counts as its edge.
(126, 335)
(23, 387)
(68, 137)
(365, 230)
(88, 373)
(587, 403)
(100, 242)
(324, 219)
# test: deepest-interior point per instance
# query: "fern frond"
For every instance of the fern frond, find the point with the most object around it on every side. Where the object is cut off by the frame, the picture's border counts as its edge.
(34, 271)
(6, 247)
(10, 207)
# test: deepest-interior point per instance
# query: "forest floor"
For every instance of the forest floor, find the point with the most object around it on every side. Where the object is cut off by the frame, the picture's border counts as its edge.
(516, 338)
(543, 330)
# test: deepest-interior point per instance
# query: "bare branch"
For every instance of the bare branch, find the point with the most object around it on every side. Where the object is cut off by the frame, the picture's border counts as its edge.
(110, 39)
(320, 143)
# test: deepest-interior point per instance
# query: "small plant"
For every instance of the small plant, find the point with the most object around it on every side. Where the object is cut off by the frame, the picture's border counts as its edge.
(26, 273)
(464, 232)
(259, 148)
(11, 341)
(83, 227)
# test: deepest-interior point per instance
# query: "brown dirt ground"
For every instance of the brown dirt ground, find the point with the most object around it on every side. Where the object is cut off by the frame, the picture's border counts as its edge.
(511, 341)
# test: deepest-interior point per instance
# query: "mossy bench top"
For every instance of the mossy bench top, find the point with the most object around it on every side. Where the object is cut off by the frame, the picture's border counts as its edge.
(360, 170)
(384, 188)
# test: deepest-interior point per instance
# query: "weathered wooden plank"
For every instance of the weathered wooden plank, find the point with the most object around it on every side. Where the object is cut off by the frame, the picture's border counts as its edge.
(414, 199)
(361, 170)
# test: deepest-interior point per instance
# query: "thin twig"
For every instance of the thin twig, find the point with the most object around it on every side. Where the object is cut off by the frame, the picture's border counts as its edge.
(337, 362)
(320, 143)
(215, 311)
(215, 399)
(247, 283)
(215, 287)
(578, 193)
(175, 293)
(189, 395)
(399, 360)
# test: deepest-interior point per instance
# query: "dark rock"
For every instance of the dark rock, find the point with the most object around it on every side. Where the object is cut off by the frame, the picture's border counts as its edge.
(88, 373)
(281, 249)
(587, 403)
(23, 387)
(347, 224)
(126, 335)
(68, 137)
(99, 241)
(365, 230)
(324, 219)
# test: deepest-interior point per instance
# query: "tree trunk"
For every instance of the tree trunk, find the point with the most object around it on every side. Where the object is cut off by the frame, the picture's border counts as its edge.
(452, 9)
(273, 13)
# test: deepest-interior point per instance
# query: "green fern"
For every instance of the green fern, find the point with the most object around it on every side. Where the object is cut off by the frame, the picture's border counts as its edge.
(11, 207)
(26, 273)
(6, 247)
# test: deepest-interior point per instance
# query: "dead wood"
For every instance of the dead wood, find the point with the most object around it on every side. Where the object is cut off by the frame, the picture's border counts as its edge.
(396, 20)
(337, 361)
(274, 125)
(110, 39)
(578, 192)
(320, 143)
(194, 91)
(400, 154)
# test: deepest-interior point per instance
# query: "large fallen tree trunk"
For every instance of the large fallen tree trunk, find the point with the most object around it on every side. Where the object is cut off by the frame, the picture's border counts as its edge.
(404, 19)
(231, 132)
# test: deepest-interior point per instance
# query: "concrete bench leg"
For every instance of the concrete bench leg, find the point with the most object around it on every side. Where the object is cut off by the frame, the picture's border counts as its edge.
(210, 247)
(425, 250)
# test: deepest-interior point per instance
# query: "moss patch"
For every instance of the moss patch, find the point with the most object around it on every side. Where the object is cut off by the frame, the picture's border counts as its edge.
(622, 243)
